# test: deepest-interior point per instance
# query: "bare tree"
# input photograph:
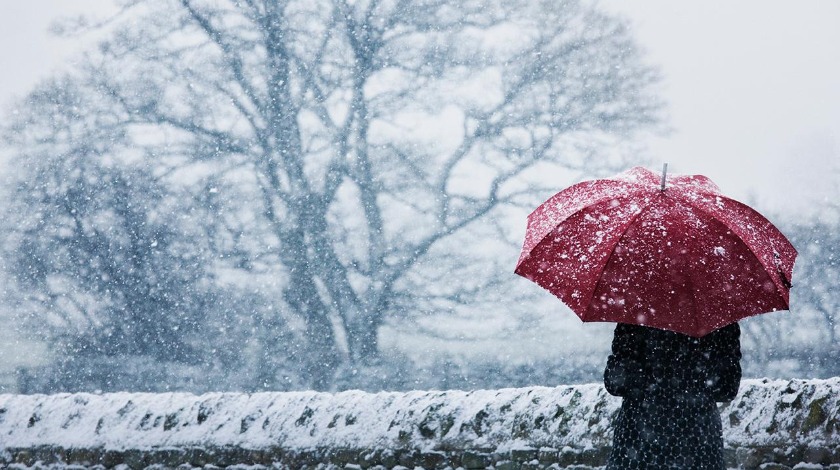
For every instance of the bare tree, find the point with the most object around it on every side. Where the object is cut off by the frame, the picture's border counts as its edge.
(114, 269)
(361, 156)
(92, 245)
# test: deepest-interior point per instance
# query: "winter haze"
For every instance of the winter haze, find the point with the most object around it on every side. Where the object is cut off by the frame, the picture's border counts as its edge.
(751, 85)
(751, 101)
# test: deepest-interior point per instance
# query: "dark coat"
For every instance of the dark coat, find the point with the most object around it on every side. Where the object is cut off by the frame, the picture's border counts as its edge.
(670, 383)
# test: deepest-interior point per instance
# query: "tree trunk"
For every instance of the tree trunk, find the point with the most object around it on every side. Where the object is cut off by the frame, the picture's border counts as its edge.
(363, 338)
(322, 356)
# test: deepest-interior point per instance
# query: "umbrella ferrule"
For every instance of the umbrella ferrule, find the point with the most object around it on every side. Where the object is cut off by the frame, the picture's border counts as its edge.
(664, 172)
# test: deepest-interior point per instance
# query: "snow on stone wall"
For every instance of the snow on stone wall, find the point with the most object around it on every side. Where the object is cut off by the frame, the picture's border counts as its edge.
(775, 413)
(768, 421)
(307, 420)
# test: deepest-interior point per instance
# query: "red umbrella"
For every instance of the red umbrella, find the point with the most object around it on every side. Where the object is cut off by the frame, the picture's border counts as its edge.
(679, 257)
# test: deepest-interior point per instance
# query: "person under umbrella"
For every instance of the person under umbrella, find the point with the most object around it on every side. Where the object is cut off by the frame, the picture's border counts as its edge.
(670, 383)
(676, 266)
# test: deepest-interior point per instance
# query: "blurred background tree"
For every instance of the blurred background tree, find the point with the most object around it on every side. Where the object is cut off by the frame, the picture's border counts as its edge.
(335, 165)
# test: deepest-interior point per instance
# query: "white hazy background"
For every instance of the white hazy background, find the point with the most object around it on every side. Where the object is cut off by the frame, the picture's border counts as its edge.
(753, 86)
(753, 93)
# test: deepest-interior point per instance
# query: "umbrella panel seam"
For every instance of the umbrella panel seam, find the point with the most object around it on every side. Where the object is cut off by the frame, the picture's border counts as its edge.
(749, 247)
(632, 221)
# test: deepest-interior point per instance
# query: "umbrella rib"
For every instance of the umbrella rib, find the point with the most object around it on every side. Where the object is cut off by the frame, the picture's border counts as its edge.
(737, 232)
(612, 252)
(571, 214)
(714, 220)
(695, 317)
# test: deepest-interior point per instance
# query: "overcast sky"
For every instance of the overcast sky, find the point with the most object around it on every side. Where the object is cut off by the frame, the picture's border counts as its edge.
(753, 86)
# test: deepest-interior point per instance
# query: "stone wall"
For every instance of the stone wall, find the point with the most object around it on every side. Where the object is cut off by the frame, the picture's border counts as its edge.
(770, 425)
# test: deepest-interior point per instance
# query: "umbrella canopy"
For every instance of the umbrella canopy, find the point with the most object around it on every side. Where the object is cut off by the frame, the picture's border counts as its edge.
(684, 258)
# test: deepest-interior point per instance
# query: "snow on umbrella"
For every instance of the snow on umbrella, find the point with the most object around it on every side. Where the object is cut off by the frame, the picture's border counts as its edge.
(678, 256)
